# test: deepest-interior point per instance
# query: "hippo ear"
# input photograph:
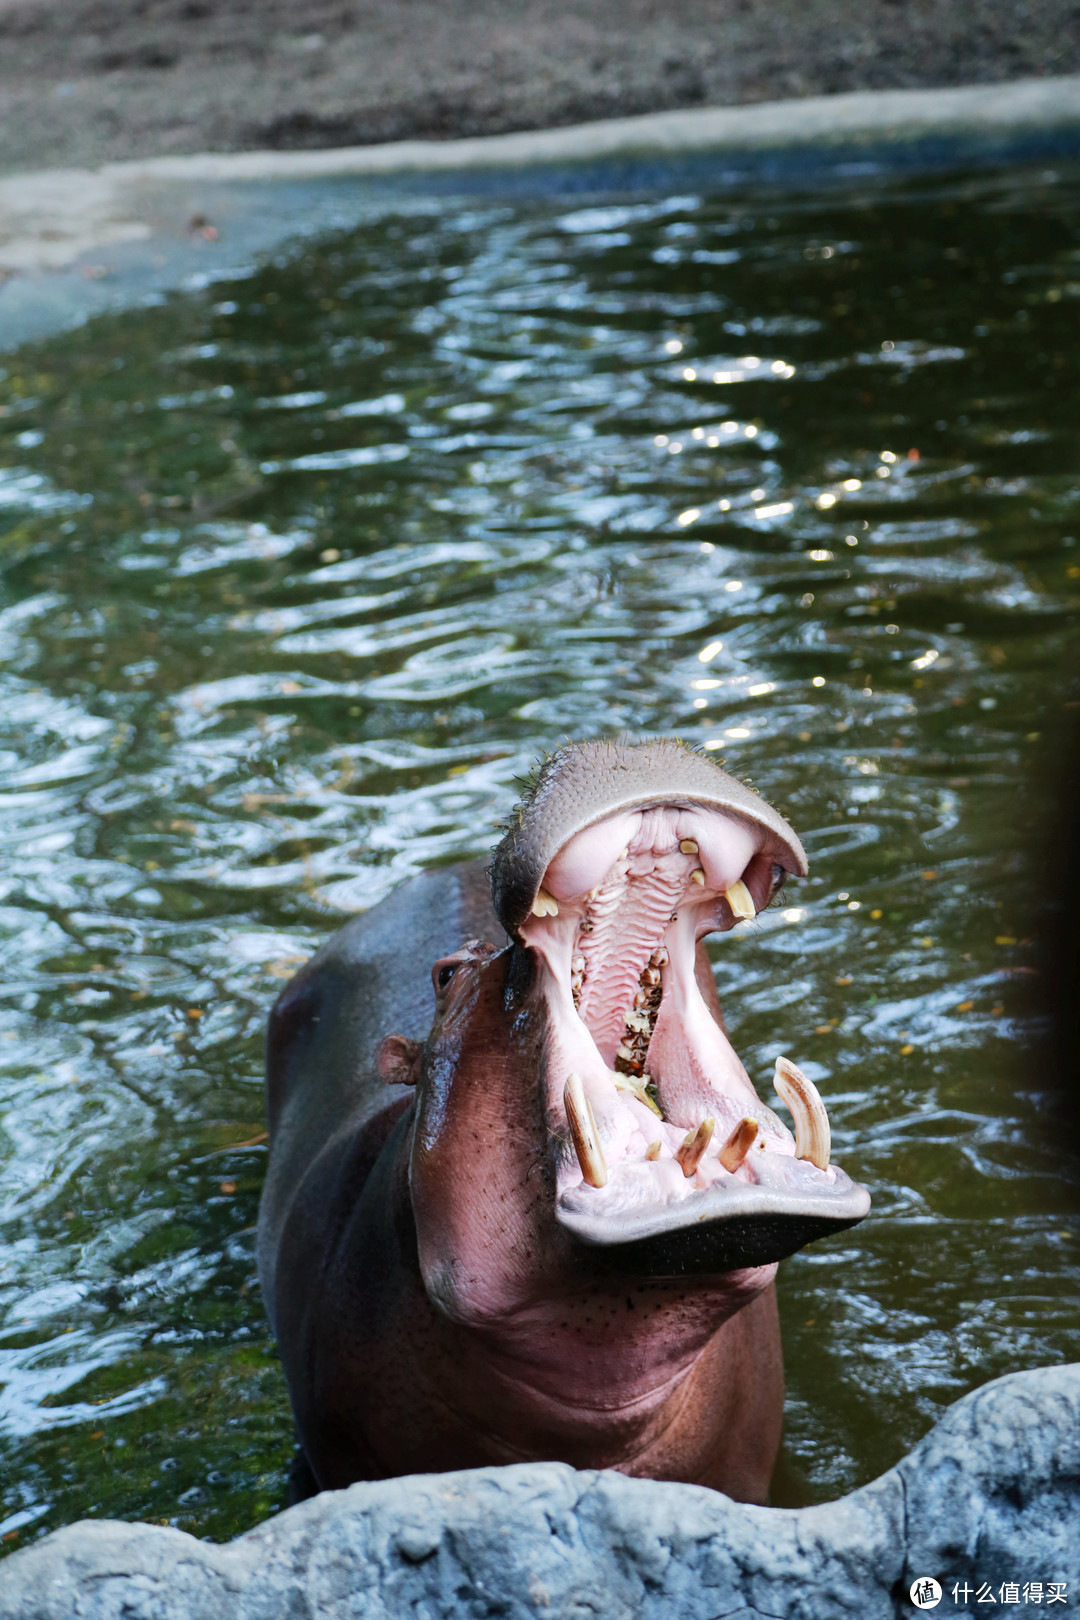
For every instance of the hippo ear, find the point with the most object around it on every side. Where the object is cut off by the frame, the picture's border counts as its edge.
(397, 1060)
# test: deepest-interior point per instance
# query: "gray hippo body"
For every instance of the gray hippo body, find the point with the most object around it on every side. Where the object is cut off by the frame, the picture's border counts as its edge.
(489, 1233)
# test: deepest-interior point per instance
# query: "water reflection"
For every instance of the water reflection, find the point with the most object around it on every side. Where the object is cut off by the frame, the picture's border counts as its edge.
(300, 575)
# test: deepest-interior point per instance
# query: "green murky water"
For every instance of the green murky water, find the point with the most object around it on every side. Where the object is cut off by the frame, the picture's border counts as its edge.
(301, 571)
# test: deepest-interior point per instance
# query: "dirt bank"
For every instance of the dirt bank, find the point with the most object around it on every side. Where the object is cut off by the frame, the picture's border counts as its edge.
(86, 81)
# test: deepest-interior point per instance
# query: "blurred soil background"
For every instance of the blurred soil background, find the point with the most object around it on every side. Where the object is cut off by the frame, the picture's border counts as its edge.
(86, 81)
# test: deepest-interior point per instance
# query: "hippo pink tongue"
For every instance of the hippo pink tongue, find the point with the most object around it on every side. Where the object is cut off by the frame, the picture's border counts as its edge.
(655, 1125)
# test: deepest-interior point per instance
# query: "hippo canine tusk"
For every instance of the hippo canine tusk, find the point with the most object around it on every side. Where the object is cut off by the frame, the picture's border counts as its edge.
(812, 1136)
(738, 898)
(739, 1143)
(691, 1150)
(545, 905)
(579, 1115)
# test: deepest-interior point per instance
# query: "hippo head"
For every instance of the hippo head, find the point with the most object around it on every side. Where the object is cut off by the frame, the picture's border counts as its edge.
(583, 1074)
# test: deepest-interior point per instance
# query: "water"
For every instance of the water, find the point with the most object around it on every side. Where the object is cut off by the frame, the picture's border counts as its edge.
(301, 572)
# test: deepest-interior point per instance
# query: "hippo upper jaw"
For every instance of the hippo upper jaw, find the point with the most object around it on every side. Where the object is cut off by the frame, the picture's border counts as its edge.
(665, 1158)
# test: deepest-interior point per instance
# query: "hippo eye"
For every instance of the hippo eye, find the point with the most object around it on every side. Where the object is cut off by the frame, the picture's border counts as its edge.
(445, 974)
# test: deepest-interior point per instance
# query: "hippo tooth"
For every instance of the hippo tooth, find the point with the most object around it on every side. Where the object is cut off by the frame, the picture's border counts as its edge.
(739, 1143)
(692, 1148)
(698, 876)
(738, 898)
(653, 1150)
(579, 1115)
(687, 846)
(635, 1083)
(545, 905)
(812, 1137)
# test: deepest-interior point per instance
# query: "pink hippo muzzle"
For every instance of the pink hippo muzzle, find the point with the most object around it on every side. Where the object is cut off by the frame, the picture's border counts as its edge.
(620, 860)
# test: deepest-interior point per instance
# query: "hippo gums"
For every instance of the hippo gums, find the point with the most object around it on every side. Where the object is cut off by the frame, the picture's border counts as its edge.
(525, 1203)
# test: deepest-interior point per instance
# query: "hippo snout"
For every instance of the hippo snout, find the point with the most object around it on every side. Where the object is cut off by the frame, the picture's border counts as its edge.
(620, 859)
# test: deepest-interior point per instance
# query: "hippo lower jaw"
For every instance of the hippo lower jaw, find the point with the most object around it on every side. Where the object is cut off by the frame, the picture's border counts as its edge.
(664, 1155)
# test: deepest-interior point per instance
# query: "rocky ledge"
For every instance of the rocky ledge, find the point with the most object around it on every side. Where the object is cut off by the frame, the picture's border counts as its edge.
(991, 1498)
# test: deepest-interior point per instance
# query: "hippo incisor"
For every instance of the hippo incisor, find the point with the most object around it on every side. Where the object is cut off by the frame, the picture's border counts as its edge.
(526, 1204)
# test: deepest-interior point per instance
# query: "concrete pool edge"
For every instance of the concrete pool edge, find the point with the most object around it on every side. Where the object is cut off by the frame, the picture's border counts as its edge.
(74, 242)
(992, 1494)
(857, 116)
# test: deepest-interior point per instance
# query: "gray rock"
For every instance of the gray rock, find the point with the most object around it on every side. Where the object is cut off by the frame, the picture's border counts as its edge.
(991, 1495)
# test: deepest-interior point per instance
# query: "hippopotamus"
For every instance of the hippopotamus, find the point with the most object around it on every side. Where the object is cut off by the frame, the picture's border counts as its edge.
(523, 1201)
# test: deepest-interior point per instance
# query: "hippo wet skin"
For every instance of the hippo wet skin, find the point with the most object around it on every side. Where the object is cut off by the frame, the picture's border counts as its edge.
(522, 1200)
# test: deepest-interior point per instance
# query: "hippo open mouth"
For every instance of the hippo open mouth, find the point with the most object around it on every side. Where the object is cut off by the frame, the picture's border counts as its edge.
(664, 1154)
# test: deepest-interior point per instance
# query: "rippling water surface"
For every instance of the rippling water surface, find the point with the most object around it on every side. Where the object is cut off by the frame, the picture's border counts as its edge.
(300, 572)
